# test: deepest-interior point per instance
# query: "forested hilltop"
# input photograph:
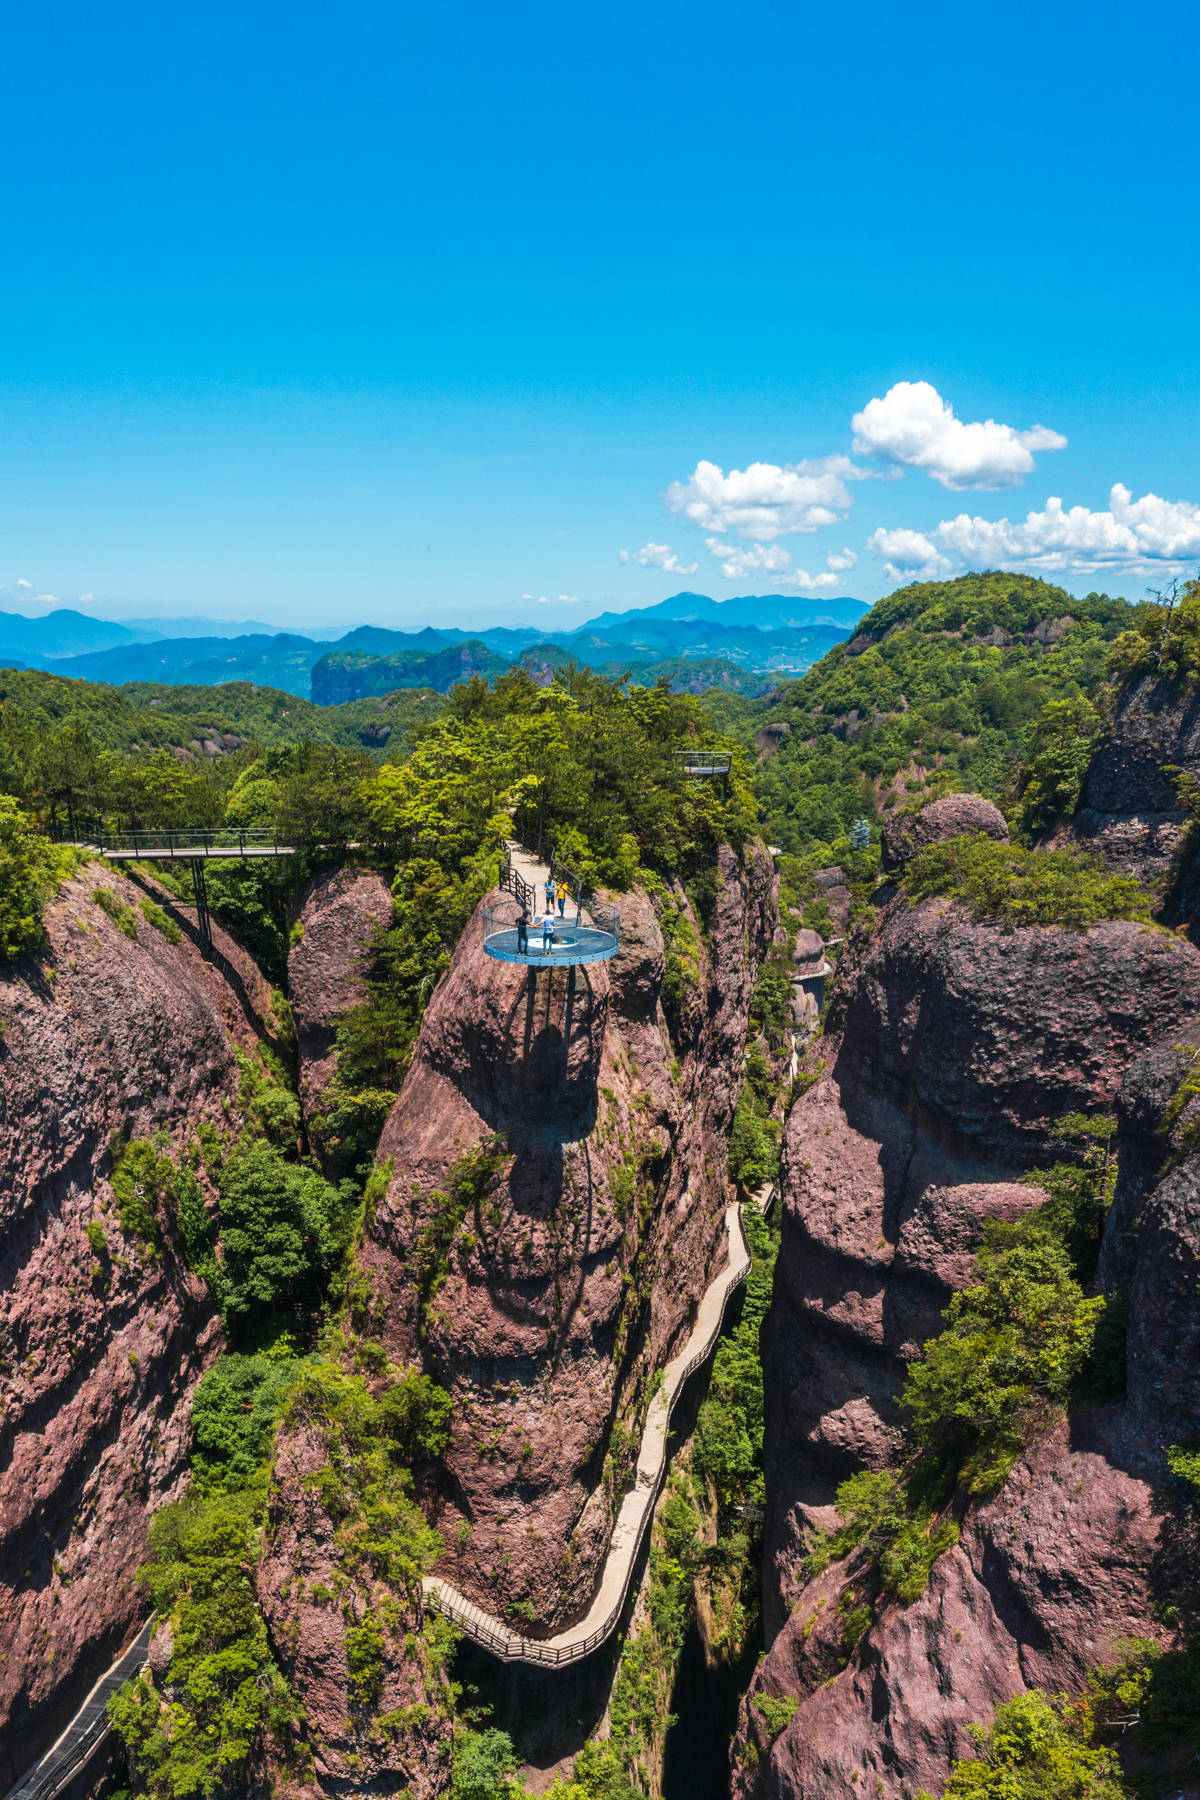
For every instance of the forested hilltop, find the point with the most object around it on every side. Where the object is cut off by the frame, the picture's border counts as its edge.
(943, 687)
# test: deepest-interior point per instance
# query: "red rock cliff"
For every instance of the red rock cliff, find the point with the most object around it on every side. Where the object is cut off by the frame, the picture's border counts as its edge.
(957, 1047)
(101, 1343)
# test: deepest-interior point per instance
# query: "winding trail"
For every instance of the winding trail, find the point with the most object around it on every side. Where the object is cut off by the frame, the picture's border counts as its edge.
(600, 1620)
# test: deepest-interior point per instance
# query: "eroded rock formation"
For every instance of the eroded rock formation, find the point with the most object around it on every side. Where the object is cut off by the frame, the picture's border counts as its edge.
(955, 1048)
(1129, 808)
(339, 916)
(103, 1338)
(563, 1283)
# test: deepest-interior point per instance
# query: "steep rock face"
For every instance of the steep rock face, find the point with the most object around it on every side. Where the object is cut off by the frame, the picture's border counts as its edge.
(102, 1343)
(576, 1270)
(1129, 808)
(959, 1047)
(304, 1599)
(1049, 1577)
(339, 915)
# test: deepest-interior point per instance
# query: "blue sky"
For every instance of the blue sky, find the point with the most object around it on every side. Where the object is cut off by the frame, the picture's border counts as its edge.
(404, 313)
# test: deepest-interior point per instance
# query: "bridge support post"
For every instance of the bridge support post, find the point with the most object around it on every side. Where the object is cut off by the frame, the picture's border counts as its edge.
(202, 919)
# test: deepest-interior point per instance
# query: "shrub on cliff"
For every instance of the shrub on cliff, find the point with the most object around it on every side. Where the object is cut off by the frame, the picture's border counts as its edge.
(1036, 1748)
(234, 1410)
(1014, 1345)
(228, 1694)
(31, 867)
(1164, 640)
(1023, 887)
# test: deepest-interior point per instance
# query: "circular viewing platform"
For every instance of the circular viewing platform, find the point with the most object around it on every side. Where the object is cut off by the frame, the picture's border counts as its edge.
(593, 939)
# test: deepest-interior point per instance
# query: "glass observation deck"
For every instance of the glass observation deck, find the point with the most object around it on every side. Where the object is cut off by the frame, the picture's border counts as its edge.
(705, 762)
(584, 939)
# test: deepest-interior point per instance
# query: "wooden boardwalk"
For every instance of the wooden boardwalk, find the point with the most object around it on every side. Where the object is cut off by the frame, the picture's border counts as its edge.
(600, 1620)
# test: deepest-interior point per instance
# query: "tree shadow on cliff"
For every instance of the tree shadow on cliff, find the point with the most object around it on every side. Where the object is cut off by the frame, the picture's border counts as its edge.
(214, 956)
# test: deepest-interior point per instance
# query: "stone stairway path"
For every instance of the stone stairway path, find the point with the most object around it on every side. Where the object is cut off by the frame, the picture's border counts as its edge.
(600, 1620)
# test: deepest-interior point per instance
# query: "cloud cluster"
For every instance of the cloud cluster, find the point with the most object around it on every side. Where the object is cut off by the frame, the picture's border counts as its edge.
(747, 511)
(659, 556)
(766, 500)
(914, 427)
(1132, 537)
(907, 555)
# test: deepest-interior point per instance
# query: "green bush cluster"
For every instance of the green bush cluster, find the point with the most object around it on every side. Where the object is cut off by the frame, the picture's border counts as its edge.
(31, 868)
(1037, 1748)
(234, 1412)
(753, 1143)
(469, 1181)
(1022, 1341)
(283, 1232)
(1163, 639)
(1024, 887)
(228, 1695)
(161, 921)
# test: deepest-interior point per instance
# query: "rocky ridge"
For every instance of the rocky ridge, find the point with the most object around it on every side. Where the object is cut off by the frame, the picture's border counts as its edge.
(577, 1150)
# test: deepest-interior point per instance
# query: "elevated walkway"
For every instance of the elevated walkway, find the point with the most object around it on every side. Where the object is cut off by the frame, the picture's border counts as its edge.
(602, 1616)
(195, 847)
(176, 846)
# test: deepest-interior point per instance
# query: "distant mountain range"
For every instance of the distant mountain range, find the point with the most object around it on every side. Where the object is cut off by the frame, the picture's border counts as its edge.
(691, 639)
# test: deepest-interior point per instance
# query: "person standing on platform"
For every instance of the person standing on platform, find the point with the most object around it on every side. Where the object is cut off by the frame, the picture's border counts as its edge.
(562, 897)
(550, 890)
(522, 933)
(547, 931)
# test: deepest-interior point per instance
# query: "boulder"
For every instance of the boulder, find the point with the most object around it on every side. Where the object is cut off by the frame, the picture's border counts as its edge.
(955, 815)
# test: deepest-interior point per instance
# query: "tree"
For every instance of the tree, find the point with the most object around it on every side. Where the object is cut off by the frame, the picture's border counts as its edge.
(30, 869)
(279, 1233)
(1036, 1749)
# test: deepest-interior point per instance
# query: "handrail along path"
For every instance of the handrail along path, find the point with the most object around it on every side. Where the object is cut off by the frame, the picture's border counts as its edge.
(601, 1618)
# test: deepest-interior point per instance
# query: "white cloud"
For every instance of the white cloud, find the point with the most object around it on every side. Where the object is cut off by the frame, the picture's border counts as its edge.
(766, 500)
(543, 599)
(86, 599)
(527, 596)
(22, 583)
(908, 555)
(659, 556)
(912, 425)
(841, 560)
(569, 599)
(737, 563)
(1133, 535)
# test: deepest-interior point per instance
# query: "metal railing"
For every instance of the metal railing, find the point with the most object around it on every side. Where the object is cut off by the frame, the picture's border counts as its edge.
(59, 1766)
(705, 762)
(92, 835)
(511, 1646)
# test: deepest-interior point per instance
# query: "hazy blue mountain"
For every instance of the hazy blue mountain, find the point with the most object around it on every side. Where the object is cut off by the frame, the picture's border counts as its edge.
(768, 611)
(63, 632)
(198, 626)
(283, 661)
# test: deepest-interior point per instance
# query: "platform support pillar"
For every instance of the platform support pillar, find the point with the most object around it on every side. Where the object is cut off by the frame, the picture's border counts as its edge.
(202, 919)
